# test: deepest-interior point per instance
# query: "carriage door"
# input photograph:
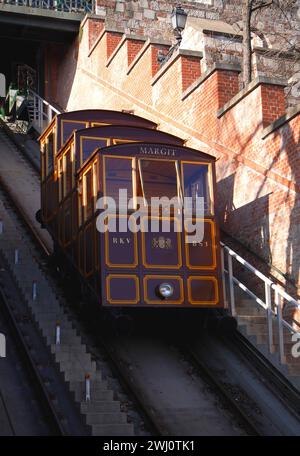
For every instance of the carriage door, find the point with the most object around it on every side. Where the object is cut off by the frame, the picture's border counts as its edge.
(161, 233)
(119, 252)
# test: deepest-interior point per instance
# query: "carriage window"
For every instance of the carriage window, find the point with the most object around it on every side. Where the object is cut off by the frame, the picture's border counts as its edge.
(68, 168)
(159, 178)
(43, 161)
(60, 179)
(88, 195)
(196, 184)
(80, 201)
(50, 151)
(118, 175)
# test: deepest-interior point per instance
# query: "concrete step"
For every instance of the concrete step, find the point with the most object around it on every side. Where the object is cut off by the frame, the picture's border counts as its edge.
(86, 365)
(94, 385)
(72, 356)
(256, 329)
(263, 339)
(51, 315)
(106, 418)
(112, 429)
(250, 311)
(99, 406)
(73, 375)
(252, 320)
(96, 395)
(65, 348)
(48, 325)
(65, 338)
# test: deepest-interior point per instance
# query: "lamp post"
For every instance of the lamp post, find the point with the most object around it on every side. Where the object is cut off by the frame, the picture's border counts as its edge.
(178, 20)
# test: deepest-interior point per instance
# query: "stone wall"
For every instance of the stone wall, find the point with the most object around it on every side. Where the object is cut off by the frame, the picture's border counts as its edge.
(276, 27)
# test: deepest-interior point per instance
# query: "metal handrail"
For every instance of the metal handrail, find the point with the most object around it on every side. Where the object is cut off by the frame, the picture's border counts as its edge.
(43, 111)
(270, 286)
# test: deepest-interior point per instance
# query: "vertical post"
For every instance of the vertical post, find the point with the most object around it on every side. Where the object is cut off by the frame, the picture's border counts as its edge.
(34, 106)
(16, 256)
(34, 290)
(280, 327)
(40, 113)
(87, 387)
(223, 277)
(49, 113)
(57, 333)
(1, 227)
(231, 285)
(269, 315)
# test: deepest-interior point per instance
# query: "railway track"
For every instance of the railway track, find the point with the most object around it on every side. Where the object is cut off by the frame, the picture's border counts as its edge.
(250, 424)
(153, 425)
(36, 380)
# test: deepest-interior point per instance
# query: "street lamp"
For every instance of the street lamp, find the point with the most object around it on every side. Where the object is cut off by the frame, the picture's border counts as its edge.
(178, 20)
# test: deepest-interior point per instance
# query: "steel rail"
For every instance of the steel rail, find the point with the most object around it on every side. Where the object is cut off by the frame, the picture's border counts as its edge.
(278, 383)
(219, 389)
(136, 397)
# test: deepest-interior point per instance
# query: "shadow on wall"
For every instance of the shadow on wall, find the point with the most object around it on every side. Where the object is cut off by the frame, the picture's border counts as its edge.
(250, 225)
(61, 61)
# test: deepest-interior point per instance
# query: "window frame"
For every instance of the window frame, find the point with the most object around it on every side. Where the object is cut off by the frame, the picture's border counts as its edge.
(209, 181)
(133, 175)
(178, 178)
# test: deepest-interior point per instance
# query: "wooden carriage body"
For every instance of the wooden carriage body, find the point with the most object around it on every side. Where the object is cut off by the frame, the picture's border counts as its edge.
(125, 266)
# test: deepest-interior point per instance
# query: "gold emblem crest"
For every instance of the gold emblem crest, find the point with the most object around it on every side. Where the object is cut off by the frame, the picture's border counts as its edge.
(162, 243)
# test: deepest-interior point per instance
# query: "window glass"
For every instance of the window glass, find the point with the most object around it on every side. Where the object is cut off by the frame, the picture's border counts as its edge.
(60, 179)
(88, 189)
(43, 160)
(50, 151)
(80, 201)
(159, 178)
(88, 145)
(196, 184)
(68, 173)
(118, 175)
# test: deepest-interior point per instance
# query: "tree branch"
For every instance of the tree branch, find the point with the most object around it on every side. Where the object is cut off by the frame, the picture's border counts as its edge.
(261, 5)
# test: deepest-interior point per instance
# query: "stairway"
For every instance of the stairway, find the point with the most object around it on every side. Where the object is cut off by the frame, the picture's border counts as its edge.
(102, 412)
(252, 323)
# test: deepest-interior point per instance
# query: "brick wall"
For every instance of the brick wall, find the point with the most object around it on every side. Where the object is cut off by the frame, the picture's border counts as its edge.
(190, 70)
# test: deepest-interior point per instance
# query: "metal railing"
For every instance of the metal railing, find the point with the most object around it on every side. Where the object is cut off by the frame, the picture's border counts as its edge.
(42, 111)
(273, 302)
(67, 6)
